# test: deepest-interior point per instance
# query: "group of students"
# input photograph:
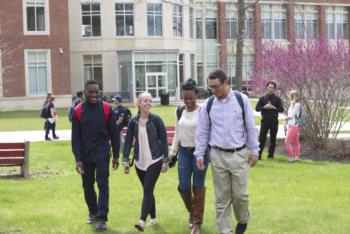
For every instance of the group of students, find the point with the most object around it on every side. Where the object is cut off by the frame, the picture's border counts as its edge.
(270, 105)
(220, 131)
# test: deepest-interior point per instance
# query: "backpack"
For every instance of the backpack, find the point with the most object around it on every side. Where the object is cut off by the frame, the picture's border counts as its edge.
(179, 111)
(71, 109)
(106, 110)
(127, 117)
(302, 118)
(44, 113)
(239, 99)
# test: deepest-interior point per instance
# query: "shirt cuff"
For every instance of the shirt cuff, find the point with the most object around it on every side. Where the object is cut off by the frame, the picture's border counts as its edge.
(199, 158)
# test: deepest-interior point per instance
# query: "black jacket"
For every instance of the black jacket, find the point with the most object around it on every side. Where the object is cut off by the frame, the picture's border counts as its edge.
(269, 114)
(91, 135)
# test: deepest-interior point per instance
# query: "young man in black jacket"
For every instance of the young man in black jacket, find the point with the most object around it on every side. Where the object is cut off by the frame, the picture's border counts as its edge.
(93, 126)
(269, 105)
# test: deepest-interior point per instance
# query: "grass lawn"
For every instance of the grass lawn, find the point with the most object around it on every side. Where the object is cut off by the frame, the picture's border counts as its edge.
(303, 197)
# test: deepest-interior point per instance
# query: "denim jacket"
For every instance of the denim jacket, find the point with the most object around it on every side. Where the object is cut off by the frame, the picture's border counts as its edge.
(157, 138)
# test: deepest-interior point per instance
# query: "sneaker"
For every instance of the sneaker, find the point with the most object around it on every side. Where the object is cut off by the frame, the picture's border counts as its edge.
(56, 137)
(91, 219)
(240, 228)
(101, 226)
(290, 160)
(48, 139)
(140, 225)
(152, 222)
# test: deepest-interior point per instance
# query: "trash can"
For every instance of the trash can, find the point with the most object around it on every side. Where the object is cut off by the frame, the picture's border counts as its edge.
(164, 98)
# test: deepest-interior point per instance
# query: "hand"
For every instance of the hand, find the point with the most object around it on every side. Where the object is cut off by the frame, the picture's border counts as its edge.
(165, 167)
(172, 161)
(126, 167)
(253, 160)
(79, 167)
(200, 164)
(115, 164)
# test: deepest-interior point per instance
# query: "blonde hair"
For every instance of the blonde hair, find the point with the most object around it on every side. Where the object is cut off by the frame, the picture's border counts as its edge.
(294, 95)
(139, 99)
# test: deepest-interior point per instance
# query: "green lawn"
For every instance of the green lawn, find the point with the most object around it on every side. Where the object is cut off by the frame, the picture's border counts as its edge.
(303, 197)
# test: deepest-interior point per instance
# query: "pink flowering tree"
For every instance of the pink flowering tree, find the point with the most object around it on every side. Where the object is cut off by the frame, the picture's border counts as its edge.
(320, 71)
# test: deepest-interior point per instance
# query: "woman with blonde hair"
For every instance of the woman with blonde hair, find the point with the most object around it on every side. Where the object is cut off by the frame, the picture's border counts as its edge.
(150, 153)
(293, 127)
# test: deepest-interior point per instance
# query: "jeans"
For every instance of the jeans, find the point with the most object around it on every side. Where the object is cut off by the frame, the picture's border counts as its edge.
(187, 166)
(100, 207)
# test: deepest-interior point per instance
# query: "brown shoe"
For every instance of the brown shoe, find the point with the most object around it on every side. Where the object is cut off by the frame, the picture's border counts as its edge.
(101, 226)
(187, 198)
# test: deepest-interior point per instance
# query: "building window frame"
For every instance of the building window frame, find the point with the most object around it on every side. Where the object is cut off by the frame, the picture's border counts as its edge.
(177, 20)
(337, 16)
(37, 64)
(155, 17)
(232, 22)
(93, 65)
(306, 22)
(93, 15)
(125, 13)
(36, 4)
(271, 15)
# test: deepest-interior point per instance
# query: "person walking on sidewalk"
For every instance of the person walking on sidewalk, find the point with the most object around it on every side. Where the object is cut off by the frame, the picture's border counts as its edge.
(150, 152)
(269, 105)
(93, 127)
(51, 119)
(184, 144)
(226, 123)
(293, 127)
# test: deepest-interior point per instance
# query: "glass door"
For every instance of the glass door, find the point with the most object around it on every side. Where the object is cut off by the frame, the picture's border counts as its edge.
(156, 84)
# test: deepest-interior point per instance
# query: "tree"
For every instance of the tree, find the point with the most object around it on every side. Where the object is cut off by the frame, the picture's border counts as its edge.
(320, 71)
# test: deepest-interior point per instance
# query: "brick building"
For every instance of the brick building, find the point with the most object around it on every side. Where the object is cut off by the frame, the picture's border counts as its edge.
(34, 53)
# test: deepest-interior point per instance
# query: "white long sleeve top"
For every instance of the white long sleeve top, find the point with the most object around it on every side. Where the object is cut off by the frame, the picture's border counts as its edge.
(293, 112)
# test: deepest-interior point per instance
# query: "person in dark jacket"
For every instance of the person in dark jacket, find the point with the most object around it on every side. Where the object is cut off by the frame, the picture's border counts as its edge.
(269, 105)
(51, 119)
(150, 152)
(91, 133)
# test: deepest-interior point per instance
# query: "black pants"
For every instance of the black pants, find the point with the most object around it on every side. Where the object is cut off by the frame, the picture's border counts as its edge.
(49, 126)
(99, 208)
(271, 125)
(148, 180)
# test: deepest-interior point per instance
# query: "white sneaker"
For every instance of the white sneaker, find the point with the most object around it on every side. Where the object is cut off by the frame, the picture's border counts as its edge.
(140, 225)
(152, 222)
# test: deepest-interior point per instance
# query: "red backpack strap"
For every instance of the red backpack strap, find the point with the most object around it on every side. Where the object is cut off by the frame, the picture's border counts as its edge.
(78, 111)
(107, 111)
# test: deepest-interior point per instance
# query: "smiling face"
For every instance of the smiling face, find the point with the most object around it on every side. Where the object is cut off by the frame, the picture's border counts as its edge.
(144, 102)
(190, 99)
(271, 89)
(91, 93)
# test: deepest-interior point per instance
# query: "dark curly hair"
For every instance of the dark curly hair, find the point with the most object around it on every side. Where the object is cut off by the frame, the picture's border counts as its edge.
(190, 84)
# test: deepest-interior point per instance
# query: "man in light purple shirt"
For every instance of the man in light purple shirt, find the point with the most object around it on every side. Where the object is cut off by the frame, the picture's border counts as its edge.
(234, 148)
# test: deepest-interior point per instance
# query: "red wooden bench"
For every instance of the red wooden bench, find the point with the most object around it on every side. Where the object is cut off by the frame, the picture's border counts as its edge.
(170, 132)
(15, 154)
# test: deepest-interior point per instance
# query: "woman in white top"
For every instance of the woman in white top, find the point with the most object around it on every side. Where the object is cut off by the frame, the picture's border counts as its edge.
(293, 128)
(148, 132)
(184, 144)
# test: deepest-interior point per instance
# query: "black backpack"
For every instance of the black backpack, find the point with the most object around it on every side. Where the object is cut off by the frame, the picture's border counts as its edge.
(127, 116)
(44, 113)
(71, 108)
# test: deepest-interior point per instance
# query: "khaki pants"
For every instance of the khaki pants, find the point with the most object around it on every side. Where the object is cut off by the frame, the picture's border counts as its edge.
(230, 177)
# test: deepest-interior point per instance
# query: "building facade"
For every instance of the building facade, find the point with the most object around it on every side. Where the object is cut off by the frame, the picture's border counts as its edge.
(34, 53)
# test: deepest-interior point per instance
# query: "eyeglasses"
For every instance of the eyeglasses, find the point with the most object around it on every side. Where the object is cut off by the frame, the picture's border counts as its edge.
(215, 86)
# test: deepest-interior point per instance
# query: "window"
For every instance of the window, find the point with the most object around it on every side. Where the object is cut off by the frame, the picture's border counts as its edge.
(191, 21)
(200, 75)
(274, 21)
(247, 68)
(232, 22)
(181, 68)
(91, 20)
(199, 29)
(37, 72)
(210, 25)
(154, 19)
(177, 21)
(192, 65)
(93, 69)
(337, 22)
(36, 16)
(124, 18)
(306, 22)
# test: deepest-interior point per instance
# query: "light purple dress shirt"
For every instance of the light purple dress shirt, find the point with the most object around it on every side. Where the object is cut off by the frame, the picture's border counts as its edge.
(227, 126)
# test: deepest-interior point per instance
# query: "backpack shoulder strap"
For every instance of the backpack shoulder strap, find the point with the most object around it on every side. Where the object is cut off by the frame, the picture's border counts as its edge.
(107, 111)
(209, 105)
(78, 109)
(241, 103)
(179, 111)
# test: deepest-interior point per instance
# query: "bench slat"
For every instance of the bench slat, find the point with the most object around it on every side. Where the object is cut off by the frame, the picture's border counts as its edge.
(12, 153)
(12, 145)
(11, 161)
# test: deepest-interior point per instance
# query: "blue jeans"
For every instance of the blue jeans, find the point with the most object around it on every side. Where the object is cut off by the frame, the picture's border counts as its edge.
(187, 166)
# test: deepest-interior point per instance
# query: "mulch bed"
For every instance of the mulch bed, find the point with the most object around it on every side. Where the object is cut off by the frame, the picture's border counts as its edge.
(337, 150)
